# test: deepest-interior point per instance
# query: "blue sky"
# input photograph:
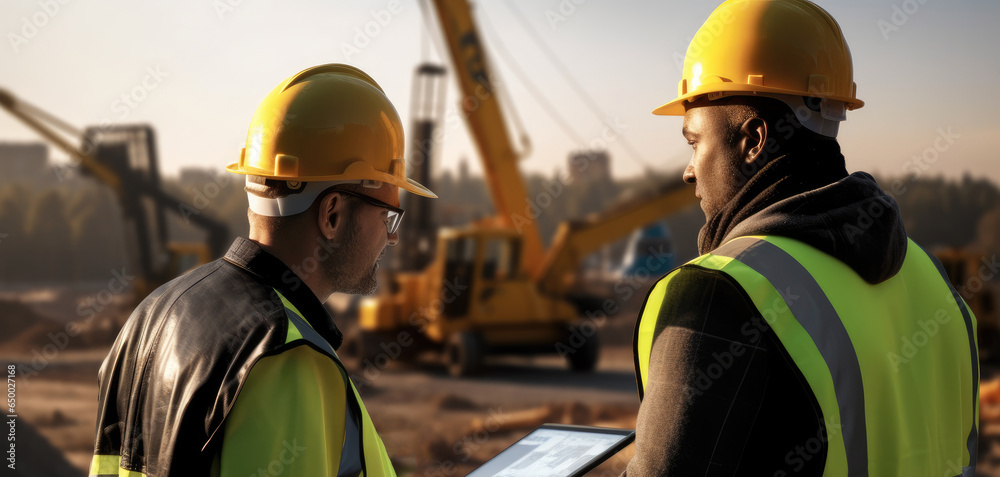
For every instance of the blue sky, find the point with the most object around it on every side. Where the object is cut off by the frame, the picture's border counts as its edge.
(207, 63)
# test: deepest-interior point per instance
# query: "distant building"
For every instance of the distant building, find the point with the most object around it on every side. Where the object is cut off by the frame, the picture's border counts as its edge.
(587, 167)
(25, 163)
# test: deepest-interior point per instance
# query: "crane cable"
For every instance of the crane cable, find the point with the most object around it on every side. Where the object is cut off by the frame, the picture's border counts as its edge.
(576, 86)
(532, 88)
(504, 96)
(442, 50)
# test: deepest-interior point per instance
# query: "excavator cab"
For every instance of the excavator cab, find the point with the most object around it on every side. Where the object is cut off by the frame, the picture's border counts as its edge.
(482, 261)
(459, 270)
(472, 300)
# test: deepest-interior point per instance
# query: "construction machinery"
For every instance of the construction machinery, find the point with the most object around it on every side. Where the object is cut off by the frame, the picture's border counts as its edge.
(967, 271)
(427, 108)
(649, 252)
(491, 287)
(123, 157)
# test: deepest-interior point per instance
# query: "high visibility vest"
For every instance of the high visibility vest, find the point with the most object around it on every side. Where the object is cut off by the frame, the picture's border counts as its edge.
(894, 366)
(362, 452)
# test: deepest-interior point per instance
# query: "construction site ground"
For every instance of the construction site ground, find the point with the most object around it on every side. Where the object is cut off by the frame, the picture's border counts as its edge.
(432, 424)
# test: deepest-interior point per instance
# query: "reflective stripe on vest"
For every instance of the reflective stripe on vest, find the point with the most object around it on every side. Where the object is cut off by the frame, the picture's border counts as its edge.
(880, 359)
(108, 466)
(363, 452)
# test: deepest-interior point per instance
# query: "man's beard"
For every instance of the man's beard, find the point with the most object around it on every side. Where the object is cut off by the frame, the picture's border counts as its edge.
(367, 282)
(348, 276)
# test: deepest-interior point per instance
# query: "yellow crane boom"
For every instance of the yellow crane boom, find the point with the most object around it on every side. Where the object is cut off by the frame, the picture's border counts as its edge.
(575, 240)
(33, 117)
(480, 104)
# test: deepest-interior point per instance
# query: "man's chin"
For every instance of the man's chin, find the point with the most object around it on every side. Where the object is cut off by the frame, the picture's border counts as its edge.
(369, 285)
(704, 210)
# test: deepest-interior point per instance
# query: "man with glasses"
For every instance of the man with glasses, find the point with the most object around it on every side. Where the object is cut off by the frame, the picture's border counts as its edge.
(231, 368)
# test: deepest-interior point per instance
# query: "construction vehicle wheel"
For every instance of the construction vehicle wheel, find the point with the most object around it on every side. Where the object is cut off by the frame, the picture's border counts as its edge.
(584, 358)
(465, 353)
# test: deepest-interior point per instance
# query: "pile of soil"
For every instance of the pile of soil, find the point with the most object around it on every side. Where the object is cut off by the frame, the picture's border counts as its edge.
(36, 456)
(97, 334)
(16, 317)
(27, 330)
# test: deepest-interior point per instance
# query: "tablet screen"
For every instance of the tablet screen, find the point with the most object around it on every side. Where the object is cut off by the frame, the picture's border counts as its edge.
(556, 451)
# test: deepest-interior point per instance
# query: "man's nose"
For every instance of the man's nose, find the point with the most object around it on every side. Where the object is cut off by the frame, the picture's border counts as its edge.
(689, 174)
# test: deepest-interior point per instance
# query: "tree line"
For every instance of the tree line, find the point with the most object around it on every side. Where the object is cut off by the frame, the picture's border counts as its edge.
(71, 231)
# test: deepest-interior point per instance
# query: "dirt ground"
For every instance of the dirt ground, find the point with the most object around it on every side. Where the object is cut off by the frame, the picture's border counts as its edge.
(432, 424)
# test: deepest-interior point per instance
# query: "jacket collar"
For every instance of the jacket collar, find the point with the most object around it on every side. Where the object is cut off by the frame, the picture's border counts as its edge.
(271, 271)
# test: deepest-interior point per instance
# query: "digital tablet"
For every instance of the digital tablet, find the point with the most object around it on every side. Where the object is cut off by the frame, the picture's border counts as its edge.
(556, 450)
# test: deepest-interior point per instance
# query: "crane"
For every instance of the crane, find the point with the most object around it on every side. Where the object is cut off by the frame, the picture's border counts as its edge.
(123, 157)
(491, 287)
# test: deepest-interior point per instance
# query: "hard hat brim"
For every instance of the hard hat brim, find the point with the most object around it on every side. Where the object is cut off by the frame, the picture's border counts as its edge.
(418, 188)
(676, 107)
(408, 184)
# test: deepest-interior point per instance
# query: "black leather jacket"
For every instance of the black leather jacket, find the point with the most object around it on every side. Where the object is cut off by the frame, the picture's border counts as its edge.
(175, 370)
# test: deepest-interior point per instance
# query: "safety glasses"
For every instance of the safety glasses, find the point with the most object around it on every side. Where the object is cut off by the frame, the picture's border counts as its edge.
(394, 214)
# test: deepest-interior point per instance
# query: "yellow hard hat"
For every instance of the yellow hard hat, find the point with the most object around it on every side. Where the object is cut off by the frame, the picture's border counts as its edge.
(781, 47)
(328, 123)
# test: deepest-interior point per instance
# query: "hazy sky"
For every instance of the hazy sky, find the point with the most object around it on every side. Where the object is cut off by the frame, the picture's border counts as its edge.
(206, 64)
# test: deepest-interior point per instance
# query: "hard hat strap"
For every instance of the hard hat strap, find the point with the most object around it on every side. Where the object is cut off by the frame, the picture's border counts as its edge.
(823, 119)
(291, 204)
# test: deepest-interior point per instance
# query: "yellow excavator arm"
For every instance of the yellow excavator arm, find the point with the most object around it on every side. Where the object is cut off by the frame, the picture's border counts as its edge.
(33, 117)
(575, 240)
(143, 201)
(481, 108)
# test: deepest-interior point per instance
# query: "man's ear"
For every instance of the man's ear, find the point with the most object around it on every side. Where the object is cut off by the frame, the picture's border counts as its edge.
(331, 215)
(753, 138)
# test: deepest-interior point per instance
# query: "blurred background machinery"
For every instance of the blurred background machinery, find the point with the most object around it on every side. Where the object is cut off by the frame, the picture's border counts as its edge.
(123, 158)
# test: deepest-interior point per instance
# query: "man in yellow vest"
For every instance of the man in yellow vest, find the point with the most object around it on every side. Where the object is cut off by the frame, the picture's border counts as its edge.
(812, 337)
(231, 369)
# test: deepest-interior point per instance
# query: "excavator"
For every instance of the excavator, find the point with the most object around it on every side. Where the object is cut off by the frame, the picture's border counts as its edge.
(123, 157)
(490, 287)
(965, 269)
